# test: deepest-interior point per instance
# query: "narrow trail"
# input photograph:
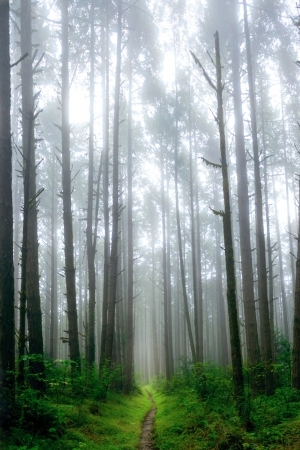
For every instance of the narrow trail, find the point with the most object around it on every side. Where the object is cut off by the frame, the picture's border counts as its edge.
(146, 442)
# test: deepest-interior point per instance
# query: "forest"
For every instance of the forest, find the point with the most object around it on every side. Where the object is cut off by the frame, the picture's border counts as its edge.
(149, 224)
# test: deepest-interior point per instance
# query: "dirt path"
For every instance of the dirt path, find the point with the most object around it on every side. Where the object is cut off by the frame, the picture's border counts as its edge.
(146, 437)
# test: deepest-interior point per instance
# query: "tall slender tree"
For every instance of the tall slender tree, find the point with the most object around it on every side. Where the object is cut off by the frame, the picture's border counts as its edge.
(266, 336)
(236, 354)
(7, 326)
(29, 115)
(66, 192)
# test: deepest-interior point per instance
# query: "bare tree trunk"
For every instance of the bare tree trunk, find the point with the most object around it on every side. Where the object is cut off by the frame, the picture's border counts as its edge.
(296, 329)
(34, 313)
(253, 351)
(164, 262)
(269, 246)
(53, 287)
(261, 250)
(66, 192)
(105, 98)
(129, 331)
(168, 274)
(195, 238)
(179, 237)
(90, 247)
(236, 354)
(111, 308)
(7, 326)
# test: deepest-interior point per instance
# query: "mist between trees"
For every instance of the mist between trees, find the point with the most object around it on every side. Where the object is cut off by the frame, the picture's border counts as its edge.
(149, 187)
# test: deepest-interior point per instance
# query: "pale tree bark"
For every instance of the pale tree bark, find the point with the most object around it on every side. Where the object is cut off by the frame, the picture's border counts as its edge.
(7, 326)
(66, 193)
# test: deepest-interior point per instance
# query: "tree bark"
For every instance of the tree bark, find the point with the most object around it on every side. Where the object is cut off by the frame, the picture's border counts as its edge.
(90, 247)
(296, 329)
(253, 351)
(105, 103)
(66, 193)
(111, 307)
(34, 313)
(260, 237)
(7, 326)
(129, 330)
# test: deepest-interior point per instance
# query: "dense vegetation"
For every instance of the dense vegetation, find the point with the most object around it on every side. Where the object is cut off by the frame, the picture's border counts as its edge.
(148, 153)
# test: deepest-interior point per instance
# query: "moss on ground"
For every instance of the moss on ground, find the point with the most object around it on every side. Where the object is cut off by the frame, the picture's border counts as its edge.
(91, 425)
(185, 422)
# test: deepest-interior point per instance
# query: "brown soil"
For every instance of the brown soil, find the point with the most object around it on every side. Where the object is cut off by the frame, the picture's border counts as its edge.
(146, 442)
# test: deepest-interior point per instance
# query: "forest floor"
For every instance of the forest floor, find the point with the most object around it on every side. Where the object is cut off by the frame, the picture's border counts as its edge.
(146, 442)
(165, 416)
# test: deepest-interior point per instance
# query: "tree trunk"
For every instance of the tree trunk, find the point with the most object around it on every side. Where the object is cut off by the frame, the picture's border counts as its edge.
(236, 354)
(296, 329)
(260, 237)
(111, 307)
(53, 288)
(179, 237)
(34, 313)
(90, 247)
(7, 326)
(105, 103)
(129, 331)
(66, 193)
(164, 261)
(253, 351)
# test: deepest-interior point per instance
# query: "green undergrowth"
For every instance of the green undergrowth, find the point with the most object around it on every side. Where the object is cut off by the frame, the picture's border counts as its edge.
(195, 410)
(72, 415)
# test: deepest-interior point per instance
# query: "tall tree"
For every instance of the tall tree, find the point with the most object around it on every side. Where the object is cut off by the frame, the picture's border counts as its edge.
(296, 328)
(111, 307)
(266, 336)
(91, 249)
(129, 328)
(253, 351)
(105, 108)
(29, 115)
(66, 191)
(7, 326)
(236, 354)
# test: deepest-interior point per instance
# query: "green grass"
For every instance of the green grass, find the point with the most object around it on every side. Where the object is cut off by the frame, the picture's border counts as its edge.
(193, 414)
(91, 425)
